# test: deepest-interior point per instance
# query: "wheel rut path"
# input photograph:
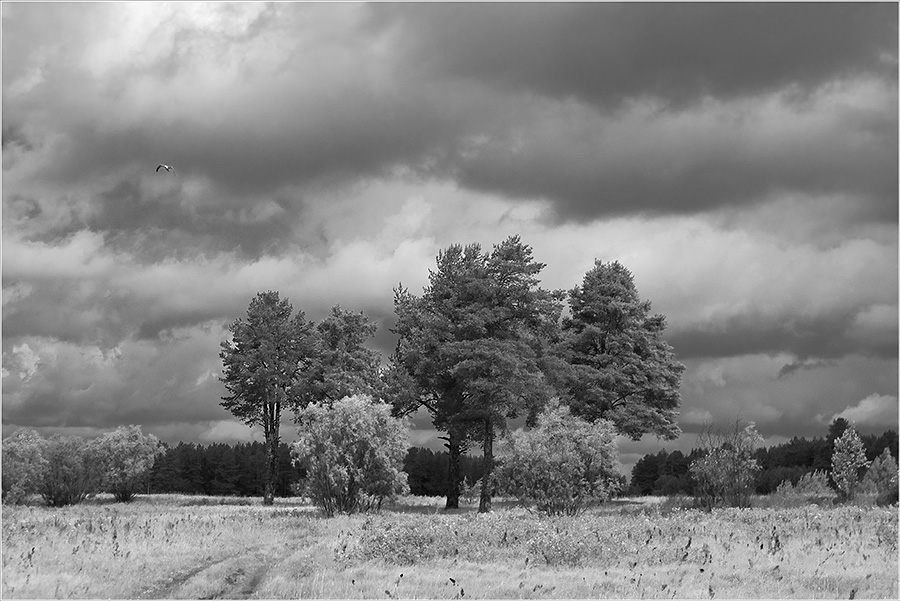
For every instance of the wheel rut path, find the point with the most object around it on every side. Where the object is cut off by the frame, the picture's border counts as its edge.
(232, 576)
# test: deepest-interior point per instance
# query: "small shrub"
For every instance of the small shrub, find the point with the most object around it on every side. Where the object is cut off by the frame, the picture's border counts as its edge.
(562, 465)
(23, 464)
(881, 477)
(811, 487)
(352, 452)
(71, 474)
(125, 456)
(726, 471)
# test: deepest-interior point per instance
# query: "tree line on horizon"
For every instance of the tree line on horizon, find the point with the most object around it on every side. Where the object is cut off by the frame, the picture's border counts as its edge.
(668, 473)
(221, 469)
(238, 469)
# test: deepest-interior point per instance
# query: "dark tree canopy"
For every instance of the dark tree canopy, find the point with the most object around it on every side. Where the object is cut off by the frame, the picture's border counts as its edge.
(262, 364)
(342, 366)
(616, 364)
(474, 342)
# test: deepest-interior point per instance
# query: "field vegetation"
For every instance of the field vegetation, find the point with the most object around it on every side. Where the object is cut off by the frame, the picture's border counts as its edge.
(171, 546)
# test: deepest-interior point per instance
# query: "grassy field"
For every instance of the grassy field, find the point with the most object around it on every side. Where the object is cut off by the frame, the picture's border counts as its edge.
(167, 546)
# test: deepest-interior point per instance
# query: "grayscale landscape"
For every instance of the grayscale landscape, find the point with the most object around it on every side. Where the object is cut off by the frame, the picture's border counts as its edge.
(449, 300)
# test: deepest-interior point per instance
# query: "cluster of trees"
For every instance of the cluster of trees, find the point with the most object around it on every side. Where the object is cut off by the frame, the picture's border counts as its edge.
(426, 471)
(665, 473)
(483, 344)
(67, 469)
(221, 469)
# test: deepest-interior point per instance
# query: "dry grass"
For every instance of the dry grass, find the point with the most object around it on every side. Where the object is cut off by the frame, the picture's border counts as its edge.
(184, 547)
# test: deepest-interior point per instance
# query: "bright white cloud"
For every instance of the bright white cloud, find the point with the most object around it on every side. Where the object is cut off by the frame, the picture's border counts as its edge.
(876, 410)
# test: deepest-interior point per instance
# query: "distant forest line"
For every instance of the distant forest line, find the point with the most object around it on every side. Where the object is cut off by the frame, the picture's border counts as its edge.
(239, 469)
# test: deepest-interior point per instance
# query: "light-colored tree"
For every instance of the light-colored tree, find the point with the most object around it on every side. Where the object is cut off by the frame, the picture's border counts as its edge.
(881, 477)
(848, 458)
(72, 472)
(352, 451)
(563, 465)
(725, 473)
(23, 464)
(810, 484)
(125, 457)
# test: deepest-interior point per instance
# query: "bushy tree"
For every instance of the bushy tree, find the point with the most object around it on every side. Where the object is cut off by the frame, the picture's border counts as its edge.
(725, 472)
(72, 472)
(125, 457)
(848, 458)
(563, 464)
(23, 464)
(881, 477)
(352, 452)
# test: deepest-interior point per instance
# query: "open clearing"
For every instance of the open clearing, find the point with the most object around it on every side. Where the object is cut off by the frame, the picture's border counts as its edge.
(166, 546)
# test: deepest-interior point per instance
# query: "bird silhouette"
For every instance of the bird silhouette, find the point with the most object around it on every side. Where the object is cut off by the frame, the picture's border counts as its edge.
(166, 167)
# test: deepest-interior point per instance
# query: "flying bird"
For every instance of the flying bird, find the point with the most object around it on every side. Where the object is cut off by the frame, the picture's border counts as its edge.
(166, 167)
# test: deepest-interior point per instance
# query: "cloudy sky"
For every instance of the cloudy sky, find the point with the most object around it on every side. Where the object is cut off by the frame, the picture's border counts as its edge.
(740, 160)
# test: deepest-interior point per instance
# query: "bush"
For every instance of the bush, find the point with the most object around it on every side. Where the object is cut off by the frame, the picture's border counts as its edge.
(71, 474)
(810, 484)
(726, 472)
(562, 465)
(848, 459)
(23, 464)
(881, 477)
(352, 452)
(125, 457)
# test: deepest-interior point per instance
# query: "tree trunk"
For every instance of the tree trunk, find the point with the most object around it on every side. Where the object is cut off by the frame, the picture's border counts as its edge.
(453, 447)
(485, 505)
(270, 424)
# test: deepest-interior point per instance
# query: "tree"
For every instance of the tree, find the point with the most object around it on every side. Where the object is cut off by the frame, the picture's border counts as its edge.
(562, 465)
(848, 458)
(263, 363)
(352, 452)
(23, 464)
(342, 365)
(646, 471)
(725, 473)
(474, 344)
(125, 457)
(616, 364)
(72, 471)
(881, 477)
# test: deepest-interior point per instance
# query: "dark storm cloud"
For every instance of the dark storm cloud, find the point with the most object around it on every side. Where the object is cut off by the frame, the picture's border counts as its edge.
(821, 336)
(741, 159)
(591, 63)
(607, 53)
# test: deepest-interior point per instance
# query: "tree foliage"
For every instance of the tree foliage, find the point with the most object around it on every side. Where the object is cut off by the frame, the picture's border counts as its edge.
(262, 363)
(725, 473)
(848, 459)
(562, 465)
(352, 452)
(618, 365)
(341, 364)
(24, 464)
(125, 457)
(474, 346)
(71, 474)
(881, 477)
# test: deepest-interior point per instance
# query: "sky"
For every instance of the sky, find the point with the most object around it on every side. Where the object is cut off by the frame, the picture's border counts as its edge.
(740, 159)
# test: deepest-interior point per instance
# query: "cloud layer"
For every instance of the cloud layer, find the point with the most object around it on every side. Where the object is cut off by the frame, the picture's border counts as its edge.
(746, 174)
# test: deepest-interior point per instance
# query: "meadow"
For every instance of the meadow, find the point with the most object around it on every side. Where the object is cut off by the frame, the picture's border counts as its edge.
(170, 546)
